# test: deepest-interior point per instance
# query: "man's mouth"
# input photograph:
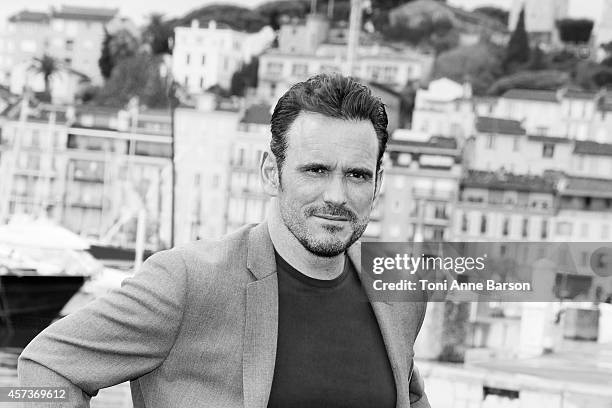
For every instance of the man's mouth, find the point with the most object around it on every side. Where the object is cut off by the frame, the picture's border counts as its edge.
(331, 217)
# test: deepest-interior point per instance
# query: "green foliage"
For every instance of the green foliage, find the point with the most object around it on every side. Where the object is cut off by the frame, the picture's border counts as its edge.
(239, 18)
(138, 75)
(105, 62)
(455, 331)
(500, 15)
(386, 5)
(538, 61)
(157, 34)
(47, 66)
(544, 80)
(115, 47)
(592, 76)
(244, 78)
(517, 51)
(479, 63)
(575, 30)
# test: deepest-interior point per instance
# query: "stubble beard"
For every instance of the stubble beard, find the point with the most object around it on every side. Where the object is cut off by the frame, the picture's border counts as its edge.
(328, 248)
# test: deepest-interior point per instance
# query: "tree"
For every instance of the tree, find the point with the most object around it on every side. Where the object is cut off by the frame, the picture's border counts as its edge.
(239, 18)
(575, 31)
(538, 60)
(48, 67)
(541, 80)
(517, 51)
(498, 14)
(481, 64)
(245, 77)
(115, 47)
(105, 62)
(137, 75)
(157, 34)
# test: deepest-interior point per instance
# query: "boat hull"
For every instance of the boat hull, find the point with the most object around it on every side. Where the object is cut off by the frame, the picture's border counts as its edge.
(28, 304)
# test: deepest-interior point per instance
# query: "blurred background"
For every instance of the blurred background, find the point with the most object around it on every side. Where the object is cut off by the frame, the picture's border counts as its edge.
(129, 129)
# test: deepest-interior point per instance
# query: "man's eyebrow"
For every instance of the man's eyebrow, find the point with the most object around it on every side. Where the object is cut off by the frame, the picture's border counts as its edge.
(360, 170)
(311, 165)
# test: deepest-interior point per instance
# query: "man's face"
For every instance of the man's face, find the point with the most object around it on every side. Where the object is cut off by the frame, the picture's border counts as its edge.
(328, 181)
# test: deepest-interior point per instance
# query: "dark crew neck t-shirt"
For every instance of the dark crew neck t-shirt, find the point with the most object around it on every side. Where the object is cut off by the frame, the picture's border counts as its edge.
(330, 352)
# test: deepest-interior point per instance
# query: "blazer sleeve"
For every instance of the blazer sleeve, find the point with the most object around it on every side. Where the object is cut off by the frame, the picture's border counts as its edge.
(418, 398)
(119, 337)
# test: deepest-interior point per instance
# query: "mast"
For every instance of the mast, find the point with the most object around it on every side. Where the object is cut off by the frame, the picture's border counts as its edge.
(353, 36)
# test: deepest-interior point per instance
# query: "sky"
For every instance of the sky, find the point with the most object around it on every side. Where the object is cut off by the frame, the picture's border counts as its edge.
(139, 9)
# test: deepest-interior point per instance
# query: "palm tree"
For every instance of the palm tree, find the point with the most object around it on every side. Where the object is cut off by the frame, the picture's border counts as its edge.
(47, 66)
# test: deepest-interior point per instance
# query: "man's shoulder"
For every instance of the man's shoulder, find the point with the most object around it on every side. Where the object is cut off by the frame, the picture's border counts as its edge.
(229, 249)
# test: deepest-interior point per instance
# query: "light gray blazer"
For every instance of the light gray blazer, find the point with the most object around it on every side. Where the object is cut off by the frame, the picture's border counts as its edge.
(197, 326)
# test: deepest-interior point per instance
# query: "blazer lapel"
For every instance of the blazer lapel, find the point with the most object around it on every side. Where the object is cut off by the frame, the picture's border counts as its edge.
(390, 324)
(261, 328)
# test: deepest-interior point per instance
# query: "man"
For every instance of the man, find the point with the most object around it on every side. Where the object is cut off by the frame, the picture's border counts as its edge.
(272, 315)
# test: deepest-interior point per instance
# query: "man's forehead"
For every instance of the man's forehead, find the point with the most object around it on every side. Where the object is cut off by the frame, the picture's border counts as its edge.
(316, 131)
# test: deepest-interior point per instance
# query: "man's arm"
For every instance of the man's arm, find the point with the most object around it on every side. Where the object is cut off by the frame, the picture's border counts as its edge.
(119, 337)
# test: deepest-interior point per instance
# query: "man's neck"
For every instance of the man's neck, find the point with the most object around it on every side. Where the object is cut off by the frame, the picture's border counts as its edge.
(292, 251)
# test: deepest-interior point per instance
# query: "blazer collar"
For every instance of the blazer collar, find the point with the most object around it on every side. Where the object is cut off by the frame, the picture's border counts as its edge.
(260, 252)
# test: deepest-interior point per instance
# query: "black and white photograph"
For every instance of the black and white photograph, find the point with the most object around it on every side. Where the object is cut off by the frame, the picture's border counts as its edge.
(306, 204)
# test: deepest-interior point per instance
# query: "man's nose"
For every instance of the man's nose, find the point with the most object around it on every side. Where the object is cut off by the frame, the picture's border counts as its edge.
(335, 191)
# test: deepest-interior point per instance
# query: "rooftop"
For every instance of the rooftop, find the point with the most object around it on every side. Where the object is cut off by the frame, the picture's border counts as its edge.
(587, 186)
(576, 94)
(30, 17)
(435, 142)
(486, 124)
(531, 95)
(85, 13)
(500, 180)
(592, 148)
(257, 114)
(548, 139)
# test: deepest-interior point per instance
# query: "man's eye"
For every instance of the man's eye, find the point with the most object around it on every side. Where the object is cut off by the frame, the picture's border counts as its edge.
(358, 176)
(318, 170)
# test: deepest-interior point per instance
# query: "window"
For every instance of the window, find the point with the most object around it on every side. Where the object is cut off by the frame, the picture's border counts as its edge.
(548, 150)
(299, 70)
(506, 227)
(564, 228)
(491, 142)
(541, 131)
(605, 232)
(186, 81)
(274, 68)
(525, 229)
(516, 144)
(544, 230)
(68, 61)
(464, 223)
(203, 59)
(187, 59)
(69, 45)
(201, 82)
(483, 224)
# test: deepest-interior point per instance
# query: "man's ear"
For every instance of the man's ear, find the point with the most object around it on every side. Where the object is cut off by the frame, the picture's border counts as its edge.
(379, 180)
(268, 171)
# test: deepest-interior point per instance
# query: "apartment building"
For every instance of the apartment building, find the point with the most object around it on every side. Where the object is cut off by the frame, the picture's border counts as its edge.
(72, 35)
(218, 149)
(207, 56)
(444, 108)
(421, 182)
(90, 168)
(560, 113)
(305, 48)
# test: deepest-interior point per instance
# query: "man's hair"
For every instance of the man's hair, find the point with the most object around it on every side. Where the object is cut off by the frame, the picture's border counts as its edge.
(332, 95)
